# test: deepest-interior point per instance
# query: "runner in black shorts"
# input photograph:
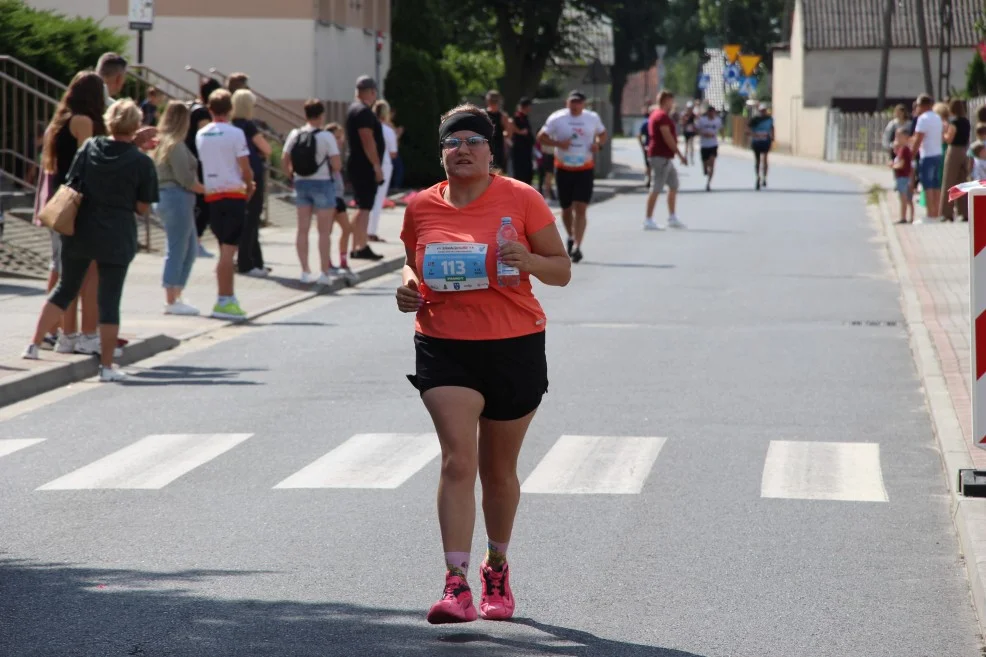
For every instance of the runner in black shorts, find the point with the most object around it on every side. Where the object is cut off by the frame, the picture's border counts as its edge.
(480, 364)
(689, 131)
(577, 134)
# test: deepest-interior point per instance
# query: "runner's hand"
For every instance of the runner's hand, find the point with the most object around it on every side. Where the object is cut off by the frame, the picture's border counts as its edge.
(409, 300)
(515, 255)
(564, 144)
(595, 147)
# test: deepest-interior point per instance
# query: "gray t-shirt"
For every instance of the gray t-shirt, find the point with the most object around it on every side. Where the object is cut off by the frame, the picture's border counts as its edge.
(325, 148)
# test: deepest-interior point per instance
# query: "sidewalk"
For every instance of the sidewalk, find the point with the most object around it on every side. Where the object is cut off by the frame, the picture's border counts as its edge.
(149, 330)
(932, 263)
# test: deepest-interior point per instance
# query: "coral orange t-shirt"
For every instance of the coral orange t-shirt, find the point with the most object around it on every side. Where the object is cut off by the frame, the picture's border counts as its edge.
(494, 313)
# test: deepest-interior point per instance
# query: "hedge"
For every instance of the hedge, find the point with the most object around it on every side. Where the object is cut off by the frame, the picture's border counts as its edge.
(53, 43)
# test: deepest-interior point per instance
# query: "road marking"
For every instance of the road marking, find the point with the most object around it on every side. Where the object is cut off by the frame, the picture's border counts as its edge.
(368, 460)
(595, 465)
(150, 463)
(801, 470)
(11, 445)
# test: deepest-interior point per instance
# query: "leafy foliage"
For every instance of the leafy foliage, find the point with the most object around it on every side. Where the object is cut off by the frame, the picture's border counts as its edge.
(413, 92)
(975, 77)
(474, 71)
(52, 43)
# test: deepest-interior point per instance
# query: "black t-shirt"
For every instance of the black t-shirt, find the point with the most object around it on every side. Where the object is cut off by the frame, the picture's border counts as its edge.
(361, 116)
(962, 131)
(250, 130)
(525, 143)
(199, 113)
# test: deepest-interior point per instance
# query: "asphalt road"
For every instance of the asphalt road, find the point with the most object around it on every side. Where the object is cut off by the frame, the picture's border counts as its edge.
(765, 483)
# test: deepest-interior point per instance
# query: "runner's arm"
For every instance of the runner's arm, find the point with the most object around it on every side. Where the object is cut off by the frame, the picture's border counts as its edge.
(550, 262)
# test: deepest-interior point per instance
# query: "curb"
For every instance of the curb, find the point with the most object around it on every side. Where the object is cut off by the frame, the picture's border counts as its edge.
(30, 384)
(968, 514)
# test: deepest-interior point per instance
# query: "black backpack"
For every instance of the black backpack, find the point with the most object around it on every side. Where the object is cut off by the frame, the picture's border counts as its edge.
(304, 153)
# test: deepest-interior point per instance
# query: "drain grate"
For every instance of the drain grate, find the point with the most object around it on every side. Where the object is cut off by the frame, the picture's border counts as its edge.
(870, 322)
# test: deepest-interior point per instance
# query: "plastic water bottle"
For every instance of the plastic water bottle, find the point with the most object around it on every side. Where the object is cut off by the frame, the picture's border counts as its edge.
(506, 275)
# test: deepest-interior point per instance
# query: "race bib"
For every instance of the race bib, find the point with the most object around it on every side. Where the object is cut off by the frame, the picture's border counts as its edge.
(455, 267)
(574, 157)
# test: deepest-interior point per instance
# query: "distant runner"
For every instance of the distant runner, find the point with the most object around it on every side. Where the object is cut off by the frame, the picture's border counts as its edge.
(709, 126)
(689, 129)
(578, 134)
(761, 138)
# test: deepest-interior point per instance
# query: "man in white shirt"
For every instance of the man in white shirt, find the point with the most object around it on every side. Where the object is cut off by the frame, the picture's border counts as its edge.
(577, 134)
(927, 142)
(311, 155)
(709, 125)
(228, 181)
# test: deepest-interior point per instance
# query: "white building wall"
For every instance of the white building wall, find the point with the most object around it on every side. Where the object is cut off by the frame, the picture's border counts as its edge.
(856, 73)
(341, 55)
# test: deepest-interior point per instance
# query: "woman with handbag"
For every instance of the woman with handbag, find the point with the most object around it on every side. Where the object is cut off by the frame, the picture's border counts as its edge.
(114, 179)
(78, 117)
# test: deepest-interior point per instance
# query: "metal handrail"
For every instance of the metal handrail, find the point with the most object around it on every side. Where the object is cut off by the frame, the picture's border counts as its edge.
(297, 117)
(28, 88)
(18, 179)
(34, 71)
(143, 77)
(200, 74)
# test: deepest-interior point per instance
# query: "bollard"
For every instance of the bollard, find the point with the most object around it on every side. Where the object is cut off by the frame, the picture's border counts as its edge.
(977, 278)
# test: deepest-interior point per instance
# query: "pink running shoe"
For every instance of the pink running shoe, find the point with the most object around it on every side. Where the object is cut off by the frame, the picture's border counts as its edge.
(497, 601)
(456, 604)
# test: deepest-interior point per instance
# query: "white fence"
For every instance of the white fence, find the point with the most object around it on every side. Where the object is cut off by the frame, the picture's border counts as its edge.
(858, 138)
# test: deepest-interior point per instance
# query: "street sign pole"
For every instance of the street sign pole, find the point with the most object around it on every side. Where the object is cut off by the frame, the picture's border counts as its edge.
(141, 15)
(661, 51)
(977, 221)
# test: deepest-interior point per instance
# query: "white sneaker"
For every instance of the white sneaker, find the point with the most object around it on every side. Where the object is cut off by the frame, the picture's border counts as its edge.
(920, 220)
(307, 278)
(87, 344)
(650, 224)
(180, 308)
(31, 353)
(349, 275)
(66, 343)
(205, 253)
(325, 279)
(673, 222)
(257, 272)
(111, 374)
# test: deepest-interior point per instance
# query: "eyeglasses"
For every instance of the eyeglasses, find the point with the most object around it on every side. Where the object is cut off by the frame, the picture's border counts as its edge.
(451, 143)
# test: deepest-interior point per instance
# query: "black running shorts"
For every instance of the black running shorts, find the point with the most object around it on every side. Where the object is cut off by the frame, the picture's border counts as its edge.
(226, 218)
(709, 152)
(574, 186)
(511, 374)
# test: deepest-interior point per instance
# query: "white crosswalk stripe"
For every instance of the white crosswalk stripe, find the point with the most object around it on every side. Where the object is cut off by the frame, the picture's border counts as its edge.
(595, 465)
(823, 471)
(150, 463)
(11, 445)
(368, 460)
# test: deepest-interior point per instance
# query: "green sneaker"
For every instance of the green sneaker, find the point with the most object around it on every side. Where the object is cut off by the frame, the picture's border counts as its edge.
(228, 310)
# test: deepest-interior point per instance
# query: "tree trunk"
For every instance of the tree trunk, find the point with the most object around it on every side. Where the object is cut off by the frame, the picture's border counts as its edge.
(525, 54)
(618, 78)
(923, 41)
(881, 98)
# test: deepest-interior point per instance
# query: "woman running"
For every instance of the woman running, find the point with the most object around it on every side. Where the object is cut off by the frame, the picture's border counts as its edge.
(479, 345)
(690, 130)
(761, 138)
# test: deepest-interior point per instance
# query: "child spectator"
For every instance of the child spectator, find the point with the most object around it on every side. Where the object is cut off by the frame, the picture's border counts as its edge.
(902, 166)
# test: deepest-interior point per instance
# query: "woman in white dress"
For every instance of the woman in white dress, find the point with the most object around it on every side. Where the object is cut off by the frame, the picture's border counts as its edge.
(382, 109)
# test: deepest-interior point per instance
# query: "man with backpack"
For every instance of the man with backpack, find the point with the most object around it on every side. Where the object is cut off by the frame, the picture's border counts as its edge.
(311, 155)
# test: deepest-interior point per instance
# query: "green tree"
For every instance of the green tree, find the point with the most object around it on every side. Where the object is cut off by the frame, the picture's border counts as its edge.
(412, 90)
(52, 43)
(753, 24)
(475, 71)
(975, 77)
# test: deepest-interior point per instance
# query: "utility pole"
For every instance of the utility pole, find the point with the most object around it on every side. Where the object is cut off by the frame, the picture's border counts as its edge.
(888, 14)
(945, 48)
(929, 87)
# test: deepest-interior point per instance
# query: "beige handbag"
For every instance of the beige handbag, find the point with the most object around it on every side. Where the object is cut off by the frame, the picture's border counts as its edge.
(61, 210)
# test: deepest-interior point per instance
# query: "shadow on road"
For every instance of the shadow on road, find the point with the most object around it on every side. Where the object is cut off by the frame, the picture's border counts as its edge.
(21, 290)
(188, 375)
(61, 609)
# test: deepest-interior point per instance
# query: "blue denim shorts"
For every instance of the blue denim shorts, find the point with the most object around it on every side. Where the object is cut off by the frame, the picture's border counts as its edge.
(317, 194)
(903, 183)
(930, 172)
